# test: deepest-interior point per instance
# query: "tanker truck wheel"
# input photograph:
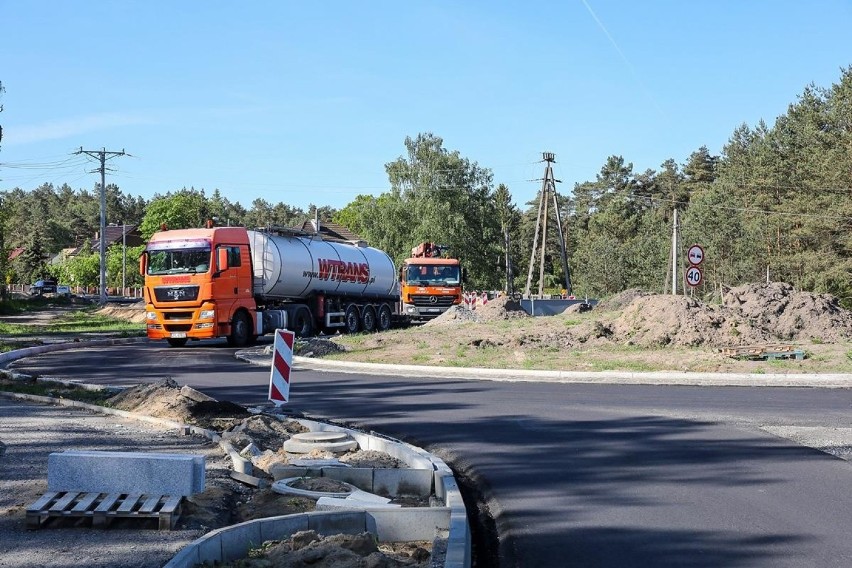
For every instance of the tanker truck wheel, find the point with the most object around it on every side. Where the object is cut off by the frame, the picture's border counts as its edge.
(240, 334)
(303, 323)
(384, 320)
(368, 319)
(351, 319)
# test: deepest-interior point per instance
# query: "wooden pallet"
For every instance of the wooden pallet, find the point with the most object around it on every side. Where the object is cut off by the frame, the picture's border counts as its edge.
(764, 352)
(103, 508)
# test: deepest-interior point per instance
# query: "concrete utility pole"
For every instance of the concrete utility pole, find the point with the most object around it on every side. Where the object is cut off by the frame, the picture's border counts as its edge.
(548, 189)
(102, 156)
(674, 253)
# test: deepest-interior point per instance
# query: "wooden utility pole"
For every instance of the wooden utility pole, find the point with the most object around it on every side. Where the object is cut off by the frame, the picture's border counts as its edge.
(548, 191)
(102, 156)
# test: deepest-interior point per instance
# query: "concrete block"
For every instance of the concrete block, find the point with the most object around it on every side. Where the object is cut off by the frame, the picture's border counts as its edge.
(280, 528)
(450, 492)
(280, 471)
(350, 504)
(239, 540)
(367, 497)
(187, 391)
(360, 477)
(187, 557)
(210, 547)
(125, 472)
(353, 522)
(401, 525)
(458, 544)
(395, 482)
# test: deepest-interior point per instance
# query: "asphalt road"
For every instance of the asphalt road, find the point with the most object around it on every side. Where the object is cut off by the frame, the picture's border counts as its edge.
(574, 475)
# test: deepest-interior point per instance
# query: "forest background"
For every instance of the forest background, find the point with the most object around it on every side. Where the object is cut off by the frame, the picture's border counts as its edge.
(775, 205)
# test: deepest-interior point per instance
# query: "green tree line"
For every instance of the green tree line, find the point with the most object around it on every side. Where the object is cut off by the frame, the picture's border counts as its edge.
(775, 204)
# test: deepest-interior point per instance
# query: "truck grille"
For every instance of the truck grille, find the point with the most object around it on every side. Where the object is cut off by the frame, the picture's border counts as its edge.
(176, 293)
(177, 315)
(430, 301)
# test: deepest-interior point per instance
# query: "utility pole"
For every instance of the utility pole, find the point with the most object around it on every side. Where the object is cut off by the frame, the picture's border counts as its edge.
(102, 156)
(123, 256)
(674, 253)
(548, 190)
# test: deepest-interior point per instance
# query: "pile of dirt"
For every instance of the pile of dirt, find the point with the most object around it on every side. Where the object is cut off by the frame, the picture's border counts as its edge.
(312, 347)
(790, 315)
(371, 458)
(663, 320)
(621, 300)
(265, 432)
(502, 308)
(307, 548)
(750, 315)
(454, 315)
(164, 399)
(128, 312)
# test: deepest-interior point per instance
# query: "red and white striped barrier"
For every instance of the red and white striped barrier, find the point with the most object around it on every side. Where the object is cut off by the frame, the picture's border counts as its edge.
(282, 362)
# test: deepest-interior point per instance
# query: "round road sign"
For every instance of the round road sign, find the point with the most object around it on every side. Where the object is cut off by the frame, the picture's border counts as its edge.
(695, 255)
(693, 276)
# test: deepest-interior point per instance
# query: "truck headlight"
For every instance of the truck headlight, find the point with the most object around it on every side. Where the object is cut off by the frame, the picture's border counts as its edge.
(207, 314)
(151, 316)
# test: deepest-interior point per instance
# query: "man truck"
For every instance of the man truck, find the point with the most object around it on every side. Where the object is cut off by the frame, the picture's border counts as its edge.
(236, 283)
(430, 282)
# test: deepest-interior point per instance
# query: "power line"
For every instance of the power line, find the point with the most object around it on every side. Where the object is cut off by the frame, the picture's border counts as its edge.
(750, 209)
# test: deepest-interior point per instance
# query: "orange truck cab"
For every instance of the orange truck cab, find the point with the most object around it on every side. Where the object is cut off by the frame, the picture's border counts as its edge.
(430, 283)
(198, 285)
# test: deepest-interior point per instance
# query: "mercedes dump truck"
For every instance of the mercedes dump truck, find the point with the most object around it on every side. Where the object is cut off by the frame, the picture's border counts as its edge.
(430, 282)
(235, 283)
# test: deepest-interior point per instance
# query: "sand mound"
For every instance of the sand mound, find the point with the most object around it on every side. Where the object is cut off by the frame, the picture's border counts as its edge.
(454, 315)
(502, 308)
(621, 300)
(790, 315)
(129, 312)
(750, 315)
(661, 320)
(164, 400)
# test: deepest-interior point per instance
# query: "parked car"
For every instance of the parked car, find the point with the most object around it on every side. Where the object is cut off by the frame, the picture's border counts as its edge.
(40, 287)
(62, 290)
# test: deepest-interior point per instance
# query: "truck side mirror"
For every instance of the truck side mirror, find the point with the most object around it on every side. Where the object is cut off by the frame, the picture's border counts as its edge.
(464, 275)
(143, 264)
(222, 259)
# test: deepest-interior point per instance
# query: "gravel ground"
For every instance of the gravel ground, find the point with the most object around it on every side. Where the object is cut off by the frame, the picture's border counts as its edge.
(30, 432)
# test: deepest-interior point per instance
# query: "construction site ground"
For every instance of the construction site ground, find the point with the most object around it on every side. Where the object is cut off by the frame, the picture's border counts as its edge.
(631, 331)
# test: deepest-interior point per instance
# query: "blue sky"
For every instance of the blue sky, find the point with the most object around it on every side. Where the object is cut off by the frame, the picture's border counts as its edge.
(304, 102)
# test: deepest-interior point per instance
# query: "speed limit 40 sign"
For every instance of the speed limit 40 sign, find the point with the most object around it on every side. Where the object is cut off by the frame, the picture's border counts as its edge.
(693, 276)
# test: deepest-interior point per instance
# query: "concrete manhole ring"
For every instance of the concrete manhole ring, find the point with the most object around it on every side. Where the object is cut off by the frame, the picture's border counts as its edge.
(320, 437)
(283, 486)
(305, 442)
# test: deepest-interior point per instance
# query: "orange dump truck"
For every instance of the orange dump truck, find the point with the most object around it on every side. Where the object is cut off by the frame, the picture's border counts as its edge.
(234, 283)
(430, 282)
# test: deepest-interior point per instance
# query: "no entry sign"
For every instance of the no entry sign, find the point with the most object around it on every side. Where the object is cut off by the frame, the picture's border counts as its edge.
(282, 362)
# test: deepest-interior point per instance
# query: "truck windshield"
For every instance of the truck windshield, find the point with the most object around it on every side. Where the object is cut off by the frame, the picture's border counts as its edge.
(178, 261)
(432, 274)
